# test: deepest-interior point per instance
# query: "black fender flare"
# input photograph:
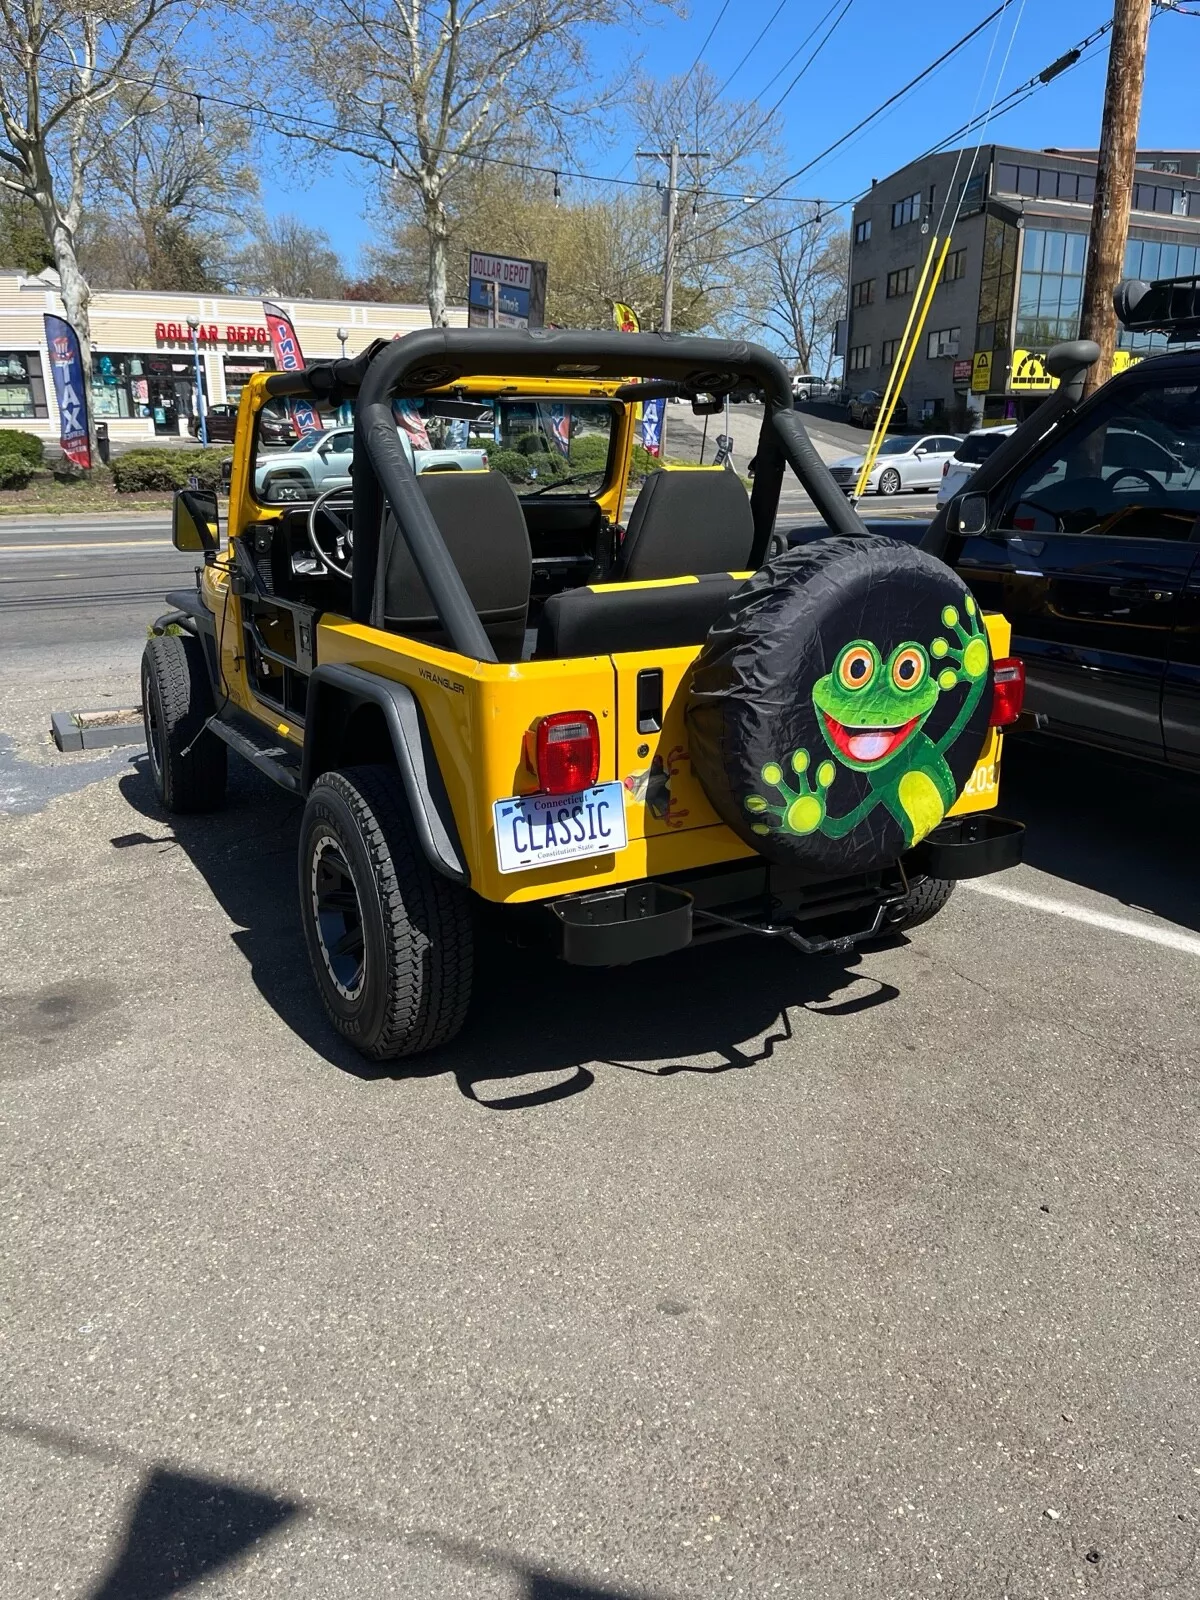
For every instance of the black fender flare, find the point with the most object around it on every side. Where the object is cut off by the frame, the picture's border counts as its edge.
(333, 691)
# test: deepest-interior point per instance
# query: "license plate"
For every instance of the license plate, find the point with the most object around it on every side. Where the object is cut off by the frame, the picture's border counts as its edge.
(538, 830)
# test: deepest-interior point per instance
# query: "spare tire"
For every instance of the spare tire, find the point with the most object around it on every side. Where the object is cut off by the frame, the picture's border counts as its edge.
(840, 705)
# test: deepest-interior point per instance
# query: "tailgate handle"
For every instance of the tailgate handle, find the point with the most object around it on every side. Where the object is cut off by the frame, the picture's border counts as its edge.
(649, 700)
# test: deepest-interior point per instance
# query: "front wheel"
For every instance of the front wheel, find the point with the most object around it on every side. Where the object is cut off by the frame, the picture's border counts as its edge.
(889, 481)
(187, 761)
(390, 940)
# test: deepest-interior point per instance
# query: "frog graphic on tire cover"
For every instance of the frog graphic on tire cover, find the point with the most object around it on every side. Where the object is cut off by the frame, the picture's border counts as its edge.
(871, 713)
(839, 706)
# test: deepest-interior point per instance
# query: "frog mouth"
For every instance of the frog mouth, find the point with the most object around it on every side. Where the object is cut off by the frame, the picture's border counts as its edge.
(868, 745)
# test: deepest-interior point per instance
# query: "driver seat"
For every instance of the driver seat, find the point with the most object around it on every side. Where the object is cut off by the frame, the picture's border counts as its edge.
(480, 519)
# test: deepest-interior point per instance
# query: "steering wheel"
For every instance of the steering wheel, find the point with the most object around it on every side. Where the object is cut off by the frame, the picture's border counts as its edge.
(1155, 488)
(327, 505)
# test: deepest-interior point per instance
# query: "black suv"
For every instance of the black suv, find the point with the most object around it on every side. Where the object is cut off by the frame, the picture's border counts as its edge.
(1083, 528)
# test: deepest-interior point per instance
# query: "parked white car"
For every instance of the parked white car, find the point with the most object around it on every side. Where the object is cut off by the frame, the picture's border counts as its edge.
(806, 386)
(320, 461)
(903, 463)
(969, 457)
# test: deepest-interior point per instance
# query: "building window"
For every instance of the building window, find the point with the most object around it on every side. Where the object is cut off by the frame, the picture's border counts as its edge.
(997, 281)
(862, 293)
(971, 194)
(942, 342)
(1157, 197)
(905, 211)
(901, 282)
(860, 357)
(1147, 258)
(1050, 296)
(956, 266)
(862, 231)
(1045, 183)
(238, 372)
(22, 387)
(887, 352)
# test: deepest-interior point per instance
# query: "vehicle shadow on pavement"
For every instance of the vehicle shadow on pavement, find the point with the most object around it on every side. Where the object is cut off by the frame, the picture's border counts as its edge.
(537, 1026)
(1122, 827)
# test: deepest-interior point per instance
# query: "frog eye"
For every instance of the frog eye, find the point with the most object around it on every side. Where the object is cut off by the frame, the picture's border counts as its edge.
(908, 667)
(856, 667)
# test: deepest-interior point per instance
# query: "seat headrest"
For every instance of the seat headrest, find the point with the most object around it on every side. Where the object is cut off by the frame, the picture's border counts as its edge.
(480, 520)
(688, 522)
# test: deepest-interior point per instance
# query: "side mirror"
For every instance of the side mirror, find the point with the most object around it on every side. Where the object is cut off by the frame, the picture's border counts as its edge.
(920, 451)
(973, 514)
(707, 405)
(194, 521)
(227, 474)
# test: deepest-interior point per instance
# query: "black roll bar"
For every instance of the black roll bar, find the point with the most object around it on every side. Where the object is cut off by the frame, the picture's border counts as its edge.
(435, 358)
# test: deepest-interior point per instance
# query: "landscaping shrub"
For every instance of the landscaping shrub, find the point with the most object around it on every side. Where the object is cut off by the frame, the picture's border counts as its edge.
(15, 471)
(137, 471)
(26, 446)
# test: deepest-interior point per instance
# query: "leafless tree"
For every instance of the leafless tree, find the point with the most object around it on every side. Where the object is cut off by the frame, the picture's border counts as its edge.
(62, 63)
(421, 88)
(789, 280)
(287, 257)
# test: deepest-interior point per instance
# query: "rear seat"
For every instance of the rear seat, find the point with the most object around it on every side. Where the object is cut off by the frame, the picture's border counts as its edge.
(608, 618)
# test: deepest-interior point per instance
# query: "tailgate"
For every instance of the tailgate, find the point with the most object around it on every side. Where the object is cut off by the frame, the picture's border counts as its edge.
(662, 795)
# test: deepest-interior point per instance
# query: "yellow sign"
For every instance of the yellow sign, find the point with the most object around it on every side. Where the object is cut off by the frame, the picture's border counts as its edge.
(981, 372)
(625, 318)
(1029, 375)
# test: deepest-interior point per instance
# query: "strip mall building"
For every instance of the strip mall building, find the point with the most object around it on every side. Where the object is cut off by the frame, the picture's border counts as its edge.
(144, 373)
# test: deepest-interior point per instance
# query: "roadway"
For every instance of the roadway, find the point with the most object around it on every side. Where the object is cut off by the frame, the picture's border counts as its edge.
(732, 1274)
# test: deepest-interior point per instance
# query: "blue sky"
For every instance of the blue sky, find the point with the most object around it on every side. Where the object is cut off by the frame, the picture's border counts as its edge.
(875, 50)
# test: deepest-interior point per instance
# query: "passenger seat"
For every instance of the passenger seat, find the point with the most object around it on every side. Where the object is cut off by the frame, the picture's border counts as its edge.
(684, 524)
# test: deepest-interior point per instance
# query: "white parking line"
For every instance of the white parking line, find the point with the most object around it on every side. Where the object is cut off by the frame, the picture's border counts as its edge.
(1173, 938)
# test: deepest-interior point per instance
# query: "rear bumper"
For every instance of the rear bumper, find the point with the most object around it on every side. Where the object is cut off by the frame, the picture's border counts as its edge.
(614, 927)
(968, 847)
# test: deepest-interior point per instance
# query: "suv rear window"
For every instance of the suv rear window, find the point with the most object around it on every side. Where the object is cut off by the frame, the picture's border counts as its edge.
(978, 447)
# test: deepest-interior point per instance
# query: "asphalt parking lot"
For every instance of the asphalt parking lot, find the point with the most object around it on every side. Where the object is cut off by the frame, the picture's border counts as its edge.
(729, 1274)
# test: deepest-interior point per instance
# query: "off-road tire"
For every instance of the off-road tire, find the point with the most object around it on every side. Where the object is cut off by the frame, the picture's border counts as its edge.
(188, 763)
(889, 482)
(414, 985)
(924, 902)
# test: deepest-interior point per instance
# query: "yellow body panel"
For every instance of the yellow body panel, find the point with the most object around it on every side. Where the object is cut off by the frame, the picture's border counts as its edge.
(479, 713)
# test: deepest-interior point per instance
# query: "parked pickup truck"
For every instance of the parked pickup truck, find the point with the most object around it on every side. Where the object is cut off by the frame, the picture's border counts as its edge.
(321, 461)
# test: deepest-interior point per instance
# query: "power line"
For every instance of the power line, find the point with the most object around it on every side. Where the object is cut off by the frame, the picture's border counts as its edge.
(877, 112)
(812, 32)
(832, 29)
(762, 32)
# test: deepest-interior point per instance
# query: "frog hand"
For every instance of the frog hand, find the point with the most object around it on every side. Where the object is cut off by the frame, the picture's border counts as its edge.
(801, 807)
(964, 656)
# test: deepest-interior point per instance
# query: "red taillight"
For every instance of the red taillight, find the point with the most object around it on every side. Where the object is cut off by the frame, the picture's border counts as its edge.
(945, 468)
(1008, 693)
(567, 751)
(485, 460)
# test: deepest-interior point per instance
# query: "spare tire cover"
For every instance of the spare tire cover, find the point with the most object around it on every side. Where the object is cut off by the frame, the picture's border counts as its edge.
(840, 705)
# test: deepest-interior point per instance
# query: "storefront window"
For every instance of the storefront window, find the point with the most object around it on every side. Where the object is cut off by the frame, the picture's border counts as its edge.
(238, 372)
(112, 376)
(22, 388)
(1050, 298)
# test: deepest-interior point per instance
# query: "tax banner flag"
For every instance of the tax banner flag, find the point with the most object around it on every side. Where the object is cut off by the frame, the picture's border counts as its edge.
(66, 364)
(285, 347)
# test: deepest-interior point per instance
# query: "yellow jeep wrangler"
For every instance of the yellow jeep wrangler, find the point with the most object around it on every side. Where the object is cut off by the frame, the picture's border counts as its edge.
(492, 691)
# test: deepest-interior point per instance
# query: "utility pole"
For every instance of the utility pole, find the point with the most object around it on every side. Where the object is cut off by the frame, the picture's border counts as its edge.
(671, 211)
(1115, 170)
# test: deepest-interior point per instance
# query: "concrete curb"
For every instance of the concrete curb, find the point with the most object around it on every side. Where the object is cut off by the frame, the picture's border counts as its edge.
(97, 730)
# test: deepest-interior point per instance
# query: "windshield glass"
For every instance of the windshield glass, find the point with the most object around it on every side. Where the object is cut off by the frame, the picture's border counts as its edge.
(542, 446)
(978, 447)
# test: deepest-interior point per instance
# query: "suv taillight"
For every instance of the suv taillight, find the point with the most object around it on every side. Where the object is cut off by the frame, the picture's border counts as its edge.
(567, 752)
(1008, 692)
(945, 468)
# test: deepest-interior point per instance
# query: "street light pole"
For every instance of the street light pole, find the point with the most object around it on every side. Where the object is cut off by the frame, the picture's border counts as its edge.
(194, 325)
(344, 409)
(343, 335)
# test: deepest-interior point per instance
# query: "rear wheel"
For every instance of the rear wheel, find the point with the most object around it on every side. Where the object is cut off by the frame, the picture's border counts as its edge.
(188, 763)
(925, 900)
(889, 481)
(390, 940)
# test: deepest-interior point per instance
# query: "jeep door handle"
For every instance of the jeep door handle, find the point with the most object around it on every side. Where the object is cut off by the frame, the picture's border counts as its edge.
(1127, 591)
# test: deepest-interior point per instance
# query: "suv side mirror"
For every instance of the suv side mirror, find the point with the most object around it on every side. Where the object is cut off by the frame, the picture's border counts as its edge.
(973, 514)
(195, 524)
